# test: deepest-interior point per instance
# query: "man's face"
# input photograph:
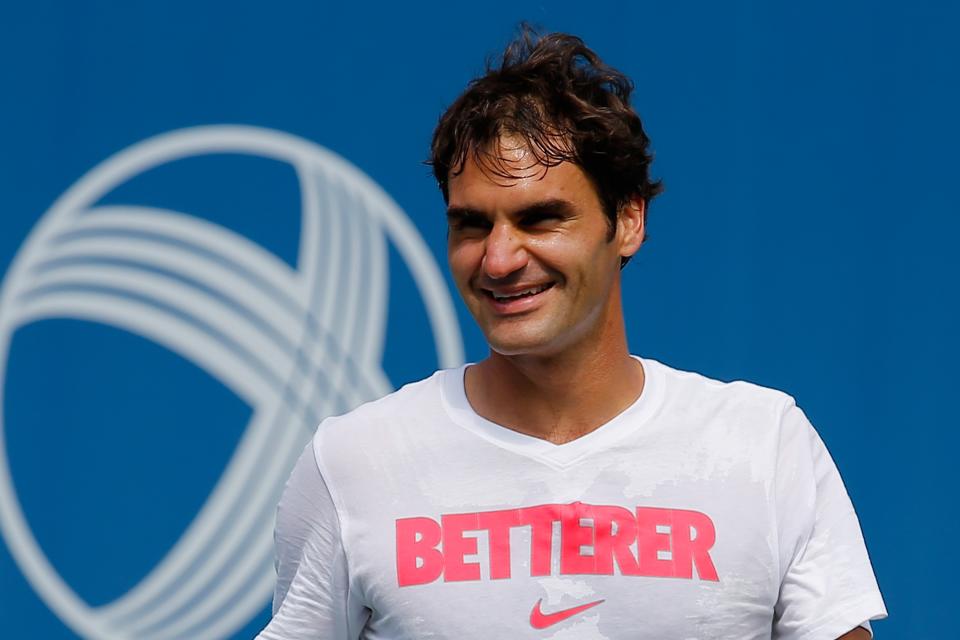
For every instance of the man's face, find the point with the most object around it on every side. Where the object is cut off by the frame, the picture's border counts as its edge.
(531, 254)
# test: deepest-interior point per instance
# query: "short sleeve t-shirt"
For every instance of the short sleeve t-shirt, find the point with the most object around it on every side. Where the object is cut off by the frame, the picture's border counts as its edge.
(705, 510)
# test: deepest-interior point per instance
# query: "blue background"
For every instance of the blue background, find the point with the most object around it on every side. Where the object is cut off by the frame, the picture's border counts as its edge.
(806, 239)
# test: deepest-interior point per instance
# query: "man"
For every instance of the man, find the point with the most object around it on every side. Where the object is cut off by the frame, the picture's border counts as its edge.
(562, 487)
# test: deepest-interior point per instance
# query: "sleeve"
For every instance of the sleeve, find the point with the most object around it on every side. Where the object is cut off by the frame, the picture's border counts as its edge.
(827, 585)
(312, 595)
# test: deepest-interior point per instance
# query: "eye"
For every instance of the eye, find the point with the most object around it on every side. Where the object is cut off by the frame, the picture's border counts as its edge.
(539, 218)
(468, 223)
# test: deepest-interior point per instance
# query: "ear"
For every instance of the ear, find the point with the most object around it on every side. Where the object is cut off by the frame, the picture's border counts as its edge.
(630, 226)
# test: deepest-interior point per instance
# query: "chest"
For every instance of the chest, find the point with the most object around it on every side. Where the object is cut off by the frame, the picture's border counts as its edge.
(497, 549)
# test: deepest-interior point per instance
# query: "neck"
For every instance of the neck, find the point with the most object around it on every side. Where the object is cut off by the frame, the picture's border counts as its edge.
(558, 397)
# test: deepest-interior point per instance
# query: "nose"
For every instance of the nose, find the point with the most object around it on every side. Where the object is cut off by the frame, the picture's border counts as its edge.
(504, 252)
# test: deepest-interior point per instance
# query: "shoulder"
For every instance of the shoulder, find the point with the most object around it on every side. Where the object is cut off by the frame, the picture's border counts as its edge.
(738, 419)
(740, 422)
(376, 425)
(409, 397)
(696, 390)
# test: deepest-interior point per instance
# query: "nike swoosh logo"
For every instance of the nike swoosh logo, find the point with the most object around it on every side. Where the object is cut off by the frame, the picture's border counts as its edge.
(541, 620)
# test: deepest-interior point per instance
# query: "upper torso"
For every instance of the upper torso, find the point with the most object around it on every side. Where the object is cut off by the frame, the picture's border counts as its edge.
(682, 515)
(708, 463)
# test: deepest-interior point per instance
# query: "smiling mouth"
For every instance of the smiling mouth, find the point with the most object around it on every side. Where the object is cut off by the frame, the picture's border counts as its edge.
(525, 293)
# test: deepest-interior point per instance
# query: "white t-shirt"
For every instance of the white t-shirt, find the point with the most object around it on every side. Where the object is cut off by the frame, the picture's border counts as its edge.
(706, 510)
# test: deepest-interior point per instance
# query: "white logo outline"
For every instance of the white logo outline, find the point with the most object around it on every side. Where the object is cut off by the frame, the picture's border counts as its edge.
(71, 266)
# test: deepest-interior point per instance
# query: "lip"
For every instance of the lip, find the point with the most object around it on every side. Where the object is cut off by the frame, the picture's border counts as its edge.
(516, 305)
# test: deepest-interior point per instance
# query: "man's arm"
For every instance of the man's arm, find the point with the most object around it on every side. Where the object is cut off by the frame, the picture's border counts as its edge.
(312, 597)
(827, 584)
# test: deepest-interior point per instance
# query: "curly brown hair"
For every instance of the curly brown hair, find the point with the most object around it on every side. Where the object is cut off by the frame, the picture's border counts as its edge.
(565, 105)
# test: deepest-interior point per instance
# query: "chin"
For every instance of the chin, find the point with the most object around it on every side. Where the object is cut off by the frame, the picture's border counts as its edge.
(518, 344)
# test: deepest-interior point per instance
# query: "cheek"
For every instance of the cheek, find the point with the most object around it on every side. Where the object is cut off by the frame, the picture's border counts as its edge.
(463, 261)
(583, 258)
(595, 269)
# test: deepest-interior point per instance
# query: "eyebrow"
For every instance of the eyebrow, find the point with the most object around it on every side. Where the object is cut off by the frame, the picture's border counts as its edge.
(555, 206)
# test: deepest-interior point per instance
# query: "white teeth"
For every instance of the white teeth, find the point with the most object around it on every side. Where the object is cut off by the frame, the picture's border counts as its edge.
(525, 292)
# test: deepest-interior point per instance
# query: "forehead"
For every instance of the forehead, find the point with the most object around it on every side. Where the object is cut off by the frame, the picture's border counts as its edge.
(508, 175)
